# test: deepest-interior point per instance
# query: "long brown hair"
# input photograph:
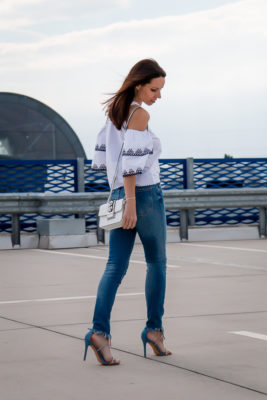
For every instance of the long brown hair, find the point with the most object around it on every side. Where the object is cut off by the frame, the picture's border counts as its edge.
(117, 106)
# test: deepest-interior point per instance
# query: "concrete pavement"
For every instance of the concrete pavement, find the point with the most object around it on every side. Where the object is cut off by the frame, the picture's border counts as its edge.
(215, 324)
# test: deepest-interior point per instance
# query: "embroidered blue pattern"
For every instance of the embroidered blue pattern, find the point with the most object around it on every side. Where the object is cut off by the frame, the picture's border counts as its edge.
(101, 147)
(101, 167)
(132, 172)
(138, 152)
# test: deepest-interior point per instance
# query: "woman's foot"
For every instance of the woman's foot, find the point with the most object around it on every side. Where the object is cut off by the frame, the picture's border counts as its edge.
(103, 345)
(157, 337)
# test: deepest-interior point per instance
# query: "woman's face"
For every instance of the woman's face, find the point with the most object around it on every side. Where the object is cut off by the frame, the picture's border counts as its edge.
(149, 92)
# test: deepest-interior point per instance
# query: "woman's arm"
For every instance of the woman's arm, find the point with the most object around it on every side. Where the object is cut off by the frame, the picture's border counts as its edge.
(129, 217)
(138, 121)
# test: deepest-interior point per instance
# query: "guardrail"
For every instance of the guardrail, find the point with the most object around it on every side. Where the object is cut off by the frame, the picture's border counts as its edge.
(84, 203)
(71, 176)
(187, 200)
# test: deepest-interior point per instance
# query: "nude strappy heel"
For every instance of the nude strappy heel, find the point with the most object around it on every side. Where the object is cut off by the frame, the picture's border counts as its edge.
(97, 351)
(154, 345)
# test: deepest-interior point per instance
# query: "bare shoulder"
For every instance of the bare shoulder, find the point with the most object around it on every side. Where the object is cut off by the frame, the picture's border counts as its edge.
(139, 120)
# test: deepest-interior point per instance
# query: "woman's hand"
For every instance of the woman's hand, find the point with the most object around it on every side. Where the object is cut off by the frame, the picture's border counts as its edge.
(129, 216)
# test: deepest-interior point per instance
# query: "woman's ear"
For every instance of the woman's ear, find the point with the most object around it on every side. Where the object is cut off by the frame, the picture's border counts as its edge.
(137, 87)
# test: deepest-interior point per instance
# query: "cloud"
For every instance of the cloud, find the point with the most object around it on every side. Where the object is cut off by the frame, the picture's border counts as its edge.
(216, 64)
(12, 13)
(227, 40)
(15, 14)
(9, 6)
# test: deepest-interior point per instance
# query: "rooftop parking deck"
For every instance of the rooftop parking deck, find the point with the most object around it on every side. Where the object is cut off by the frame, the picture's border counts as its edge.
(215, 323)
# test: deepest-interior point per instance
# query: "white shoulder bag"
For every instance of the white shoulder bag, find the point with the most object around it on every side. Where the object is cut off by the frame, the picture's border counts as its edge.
(111, 213)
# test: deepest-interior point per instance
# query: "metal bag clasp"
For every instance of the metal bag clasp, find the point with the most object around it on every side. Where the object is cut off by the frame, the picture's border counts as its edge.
(111, 208)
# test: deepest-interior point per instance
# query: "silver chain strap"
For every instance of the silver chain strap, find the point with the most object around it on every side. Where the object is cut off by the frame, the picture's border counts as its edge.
(117, 166)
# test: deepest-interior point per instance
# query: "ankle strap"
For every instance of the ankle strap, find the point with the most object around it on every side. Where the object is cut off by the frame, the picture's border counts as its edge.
(105, 345)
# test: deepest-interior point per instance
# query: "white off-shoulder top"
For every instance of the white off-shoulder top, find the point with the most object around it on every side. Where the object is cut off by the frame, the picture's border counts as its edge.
(139, 157)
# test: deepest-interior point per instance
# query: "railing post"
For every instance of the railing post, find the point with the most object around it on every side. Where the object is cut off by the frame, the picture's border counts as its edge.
(262, 222)
(183, 224)
(15, 233)
(100, 233)
(190, 185)
(190, 173)
(80, 174)
(80, 180)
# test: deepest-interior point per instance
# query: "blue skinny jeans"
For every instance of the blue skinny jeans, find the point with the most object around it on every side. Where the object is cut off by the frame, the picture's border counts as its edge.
(151, 227)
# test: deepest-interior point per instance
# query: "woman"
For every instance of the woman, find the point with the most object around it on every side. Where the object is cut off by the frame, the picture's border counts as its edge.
(137, 181)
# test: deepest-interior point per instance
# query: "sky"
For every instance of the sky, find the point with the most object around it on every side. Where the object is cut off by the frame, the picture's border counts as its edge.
(70, 54)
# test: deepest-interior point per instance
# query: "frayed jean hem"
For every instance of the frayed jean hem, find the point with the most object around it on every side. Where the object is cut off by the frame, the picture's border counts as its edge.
(106, 335)
(147, 328)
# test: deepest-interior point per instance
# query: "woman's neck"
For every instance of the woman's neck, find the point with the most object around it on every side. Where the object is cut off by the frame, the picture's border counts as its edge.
(136, 102)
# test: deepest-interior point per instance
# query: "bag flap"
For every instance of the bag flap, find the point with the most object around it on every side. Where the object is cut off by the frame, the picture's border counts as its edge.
(104, 208)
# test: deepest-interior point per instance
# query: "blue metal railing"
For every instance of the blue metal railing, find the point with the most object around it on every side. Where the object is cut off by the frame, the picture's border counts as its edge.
(59, 176)
(229, 173)
(172, 175)
(38, 176)
(55, 176)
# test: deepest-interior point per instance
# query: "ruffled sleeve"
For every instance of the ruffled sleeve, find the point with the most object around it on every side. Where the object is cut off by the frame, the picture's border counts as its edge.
(137, 147)
(99, 160)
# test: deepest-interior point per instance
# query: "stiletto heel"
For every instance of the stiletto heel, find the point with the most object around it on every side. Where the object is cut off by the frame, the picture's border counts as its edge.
(145, 340)
(85, 351)
(97, 351)
(144, 349)
(153, 344)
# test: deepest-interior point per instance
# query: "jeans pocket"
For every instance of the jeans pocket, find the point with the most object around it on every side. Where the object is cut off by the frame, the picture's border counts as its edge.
(144, 202)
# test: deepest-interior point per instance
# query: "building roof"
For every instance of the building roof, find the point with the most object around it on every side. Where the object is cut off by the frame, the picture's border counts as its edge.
(29, 129)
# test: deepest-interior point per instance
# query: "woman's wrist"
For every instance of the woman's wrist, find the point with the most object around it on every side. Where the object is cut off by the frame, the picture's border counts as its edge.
(130, 198)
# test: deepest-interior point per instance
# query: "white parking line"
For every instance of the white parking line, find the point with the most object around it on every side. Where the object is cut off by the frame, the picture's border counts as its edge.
(250, 334)
(71, 254)
(64, 298)
(223, 247)
(208, 261)
(95, 257)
